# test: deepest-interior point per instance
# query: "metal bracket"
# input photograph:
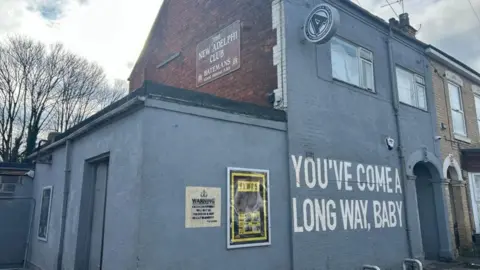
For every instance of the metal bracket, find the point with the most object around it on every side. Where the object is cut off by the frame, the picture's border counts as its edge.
(412, 264)
(370, 267)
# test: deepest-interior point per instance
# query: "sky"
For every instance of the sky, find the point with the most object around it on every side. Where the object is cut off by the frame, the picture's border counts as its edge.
(112, 32)
(109, 32)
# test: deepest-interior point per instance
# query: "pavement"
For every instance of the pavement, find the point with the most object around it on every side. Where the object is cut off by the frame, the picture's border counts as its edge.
(460, 264)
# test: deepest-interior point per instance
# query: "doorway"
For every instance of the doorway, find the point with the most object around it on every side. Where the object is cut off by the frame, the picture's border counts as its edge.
(91, 229)
(98, 216)
(427, 211)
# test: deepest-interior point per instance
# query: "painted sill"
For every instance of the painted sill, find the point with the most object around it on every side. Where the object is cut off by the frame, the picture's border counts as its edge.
(462, 138)
(354, 86)
(413, 107)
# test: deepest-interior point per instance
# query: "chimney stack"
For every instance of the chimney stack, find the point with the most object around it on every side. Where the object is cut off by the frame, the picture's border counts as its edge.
(403, 25)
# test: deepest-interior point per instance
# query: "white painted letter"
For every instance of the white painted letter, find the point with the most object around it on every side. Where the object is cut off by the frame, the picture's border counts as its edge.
(386, 222)
(370, 178)
(347, 175)
(308, 213)
(398, 186)
(332, 221)
(377, 208)
(389, 179)
(320, 215)
(358, 215)
(399, 211)
(325, 171)
(346, 206)
(380, 177)
(310, 166)
(338, 173)
(391, 213)
(361, 185)
(297, 165)
(322, 181)
(296, 228)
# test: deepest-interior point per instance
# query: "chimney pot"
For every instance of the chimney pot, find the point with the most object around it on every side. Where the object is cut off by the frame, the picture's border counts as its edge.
(404, 20)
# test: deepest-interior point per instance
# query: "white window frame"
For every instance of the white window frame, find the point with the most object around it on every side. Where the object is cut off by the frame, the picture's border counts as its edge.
(418, 83)
(363, 56)
(45, 239)
(477, 108)
(462, 110)
(474, 200)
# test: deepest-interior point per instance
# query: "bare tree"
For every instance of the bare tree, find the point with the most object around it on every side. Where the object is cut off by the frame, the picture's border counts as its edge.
(45, 88)
(76, 96)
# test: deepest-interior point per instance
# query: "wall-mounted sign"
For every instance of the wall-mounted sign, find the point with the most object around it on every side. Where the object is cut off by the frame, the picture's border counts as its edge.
(248, 208)
(202, 207)
(219, 54)
(321, 24)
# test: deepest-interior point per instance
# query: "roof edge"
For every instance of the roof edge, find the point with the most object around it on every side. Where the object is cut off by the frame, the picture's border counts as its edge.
(453, 62)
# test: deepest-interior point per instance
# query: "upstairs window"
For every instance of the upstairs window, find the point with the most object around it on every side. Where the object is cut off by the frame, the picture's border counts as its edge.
(352, 64)
(456, 106)
(411, 88)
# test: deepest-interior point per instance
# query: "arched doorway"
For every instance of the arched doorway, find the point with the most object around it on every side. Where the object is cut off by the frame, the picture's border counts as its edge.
(461, 229)
(453, 177)
(427, 209)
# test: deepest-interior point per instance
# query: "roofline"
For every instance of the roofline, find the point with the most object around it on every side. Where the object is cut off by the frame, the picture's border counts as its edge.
(89, 123)
(452, 62)
(10, 166)
(381, 21)
(167, 93)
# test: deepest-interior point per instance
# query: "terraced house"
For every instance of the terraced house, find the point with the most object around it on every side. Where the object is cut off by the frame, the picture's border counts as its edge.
(457, 99)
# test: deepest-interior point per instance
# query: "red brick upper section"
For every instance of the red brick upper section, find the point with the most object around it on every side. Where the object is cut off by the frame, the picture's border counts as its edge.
(182, 24)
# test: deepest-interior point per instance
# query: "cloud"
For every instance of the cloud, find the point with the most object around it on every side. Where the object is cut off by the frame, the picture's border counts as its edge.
(109, 32)
(450, 25)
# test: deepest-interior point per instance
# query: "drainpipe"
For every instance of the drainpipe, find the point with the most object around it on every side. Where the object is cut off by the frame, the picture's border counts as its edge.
(66, 192)
(401, 155)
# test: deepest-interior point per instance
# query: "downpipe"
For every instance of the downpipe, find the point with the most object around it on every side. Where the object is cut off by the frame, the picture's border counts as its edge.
(66, 193)
(401, 155)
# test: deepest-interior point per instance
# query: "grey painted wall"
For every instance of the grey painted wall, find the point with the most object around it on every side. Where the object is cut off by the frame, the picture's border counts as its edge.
(154, 154)
(329, 119)
(195, 149)
(43, 254)
(122, 140)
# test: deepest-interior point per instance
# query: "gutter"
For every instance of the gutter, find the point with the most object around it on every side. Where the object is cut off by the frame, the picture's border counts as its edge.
(438, 56)
(401, 154)
(120, 109)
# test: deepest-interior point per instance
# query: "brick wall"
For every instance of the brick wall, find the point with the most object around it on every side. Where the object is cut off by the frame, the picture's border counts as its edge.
(450, 145)
(182, 24)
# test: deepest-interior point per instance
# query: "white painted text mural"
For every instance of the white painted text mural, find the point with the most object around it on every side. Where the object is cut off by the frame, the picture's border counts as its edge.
(349, 184)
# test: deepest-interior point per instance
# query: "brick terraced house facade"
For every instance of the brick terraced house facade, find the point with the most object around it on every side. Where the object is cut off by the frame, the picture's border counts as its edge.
(457, 101)
(169, 54)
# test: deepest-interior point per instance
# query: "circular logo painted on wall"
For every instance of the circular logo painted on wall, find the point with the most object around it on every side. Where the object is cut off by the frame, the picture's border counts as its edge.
(321, 24)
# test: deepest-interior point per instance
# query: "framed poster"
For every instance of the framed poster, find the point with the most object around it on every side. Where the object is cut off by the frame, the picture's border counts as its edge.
(248, 214)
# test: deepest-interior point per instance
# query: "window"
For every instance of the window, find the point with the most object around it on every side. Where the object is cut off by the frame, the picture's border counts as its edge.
(45, 213)
(352, 64)
(411, 88)
(477, 109)
(456, 107)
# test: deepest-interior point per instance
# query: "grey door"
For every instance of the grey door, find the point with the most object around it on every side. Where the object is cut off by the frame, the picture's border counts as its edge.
(98, 216)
